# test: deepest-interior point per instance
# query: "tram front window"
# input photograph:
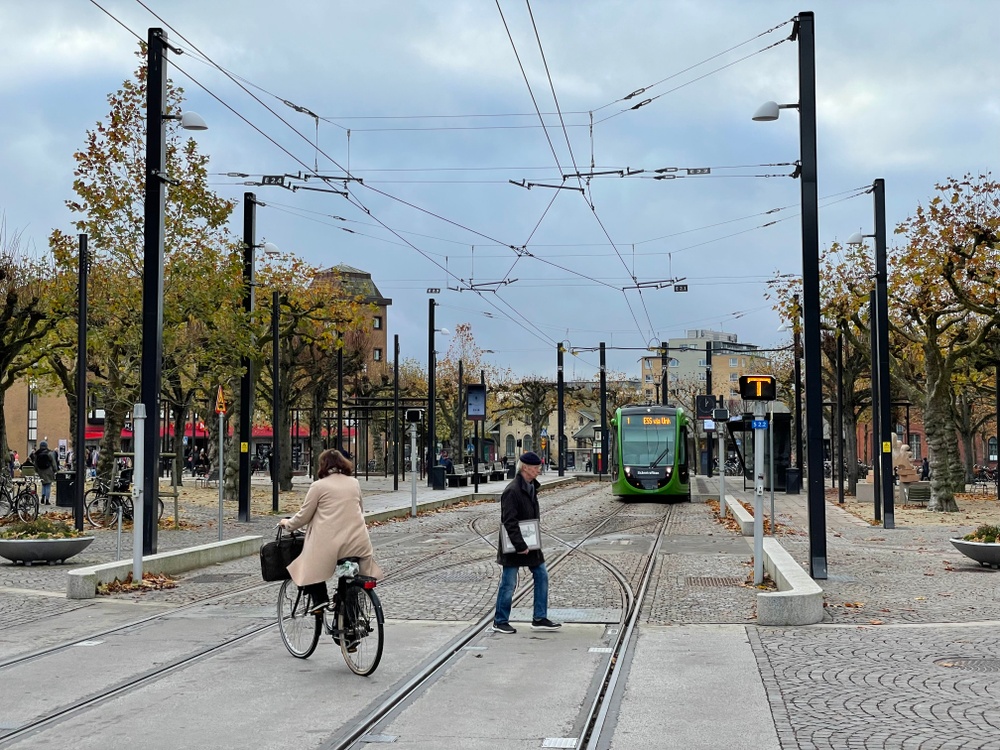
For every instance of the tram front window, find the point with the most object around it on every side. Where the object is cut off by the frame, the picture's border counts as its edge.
(648, 447)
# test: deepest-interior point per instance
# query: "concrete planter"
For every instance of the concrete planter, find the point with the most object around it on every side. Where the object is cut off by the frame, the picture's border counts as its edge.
(30, 551)
(986, 554)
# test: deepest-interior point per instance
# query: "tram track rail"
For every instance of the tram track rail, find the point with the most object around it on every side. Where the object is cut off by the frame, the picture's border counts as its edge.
(433, 668)
(425, 675)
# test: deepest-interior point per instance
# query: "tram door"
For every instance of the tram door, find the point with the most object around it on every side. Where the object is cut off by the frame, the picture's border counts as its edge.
(682, 455)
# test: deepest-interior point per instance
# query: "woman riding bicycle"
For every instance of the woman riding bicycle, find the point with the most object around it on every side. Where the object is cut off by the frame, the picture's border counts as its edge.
(334, 512)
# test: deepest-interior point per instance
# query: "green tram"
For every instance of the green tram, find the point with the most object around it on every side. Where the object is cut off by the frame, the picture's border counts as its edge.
(649, 453)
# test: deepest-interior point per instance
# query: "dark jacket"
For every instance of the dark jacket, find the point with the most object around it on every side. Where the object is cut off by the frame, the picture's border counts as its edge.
(519, 502)
(51, 460)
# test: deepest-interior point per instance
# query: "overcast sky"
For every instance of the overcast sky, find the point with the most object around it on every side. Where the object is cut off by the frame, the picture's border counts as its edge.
(426, 103)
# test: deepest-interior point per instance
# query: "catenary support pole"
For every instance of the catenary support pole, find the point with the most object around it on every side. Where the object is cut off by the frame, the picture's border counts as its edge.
(80, 439)
(275, 399)
(882, 314)
(806, 35)
(560, 410)
(152, 276)
(247, 379)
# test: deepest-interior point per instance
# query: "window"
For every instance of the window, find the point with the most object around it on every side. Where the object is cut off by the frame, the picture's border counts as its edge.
(992, 449)
(648, 363)
(701, 377)
(377, 322)
(377, 354)
(733, 377)
(510, 421)
(733, 361)
(526, 444)
(675, 363)
(581, 420)
(649, 378)
(673, 377)
(511, 449)
(701, 362)
(916, 449)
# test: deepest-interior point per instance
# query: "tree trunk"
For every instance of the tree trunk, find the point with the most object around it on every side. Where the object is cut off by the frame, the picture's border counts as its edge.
(940, 433)
(851, 452)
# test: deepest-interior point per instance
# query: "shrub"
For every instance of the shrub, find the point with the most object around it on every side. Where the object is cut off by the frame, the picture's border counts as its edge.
(41, 528)
(985, 533)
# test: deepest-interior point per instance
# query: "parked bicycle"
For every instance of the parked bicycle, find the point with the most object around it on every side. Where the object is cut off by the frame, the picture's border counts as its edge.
(19, 497)
(102, 504)
(354, 618)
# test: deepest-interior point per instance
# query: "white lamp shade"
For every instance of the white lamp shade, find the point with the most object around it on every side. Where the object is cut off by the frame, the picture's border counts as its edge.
(445, 331)
(766, 112)
(856, 239)
(270, 248)
(192, 121)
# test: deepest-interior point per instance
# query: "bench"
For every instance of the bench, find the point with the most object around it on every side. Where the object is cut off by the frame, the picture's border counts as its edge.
(917, 492)
(458, 477)
(204, 480)
(497, 473)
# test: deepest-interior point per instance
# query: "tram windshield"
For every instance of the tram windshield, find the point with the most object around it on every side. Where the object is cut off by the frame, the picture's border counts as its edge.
(648, 440)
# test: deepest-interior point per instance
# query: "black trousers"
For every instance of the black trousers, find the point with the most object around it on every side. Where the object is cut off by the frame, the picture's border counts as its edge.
(317, 592)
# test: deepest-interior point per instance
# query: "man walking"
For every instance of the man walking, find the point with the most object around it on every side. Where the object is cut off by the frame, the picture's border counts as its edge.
(519, 502)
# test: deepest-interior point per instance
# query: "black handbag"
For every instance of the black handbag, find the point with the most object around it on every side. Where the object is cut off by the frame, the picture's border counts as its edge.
(276, 556)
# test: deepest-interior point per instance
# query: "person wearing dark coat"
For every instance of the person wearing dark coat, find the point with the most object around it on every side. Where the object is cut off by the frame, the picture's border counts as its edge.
(46, 465)
(519, 502)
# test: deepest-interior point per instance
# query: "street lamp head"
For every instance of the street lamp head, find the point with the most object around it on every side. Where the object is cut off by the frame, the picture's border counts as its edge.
(445, 331)
(857, 238)
(270, 249)
(189, 120)
(769, 111)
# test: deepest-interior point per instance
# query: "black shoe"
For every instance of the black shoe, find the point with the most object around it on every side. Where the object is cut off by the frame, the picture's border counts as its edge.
(545, 624)
(503, 627)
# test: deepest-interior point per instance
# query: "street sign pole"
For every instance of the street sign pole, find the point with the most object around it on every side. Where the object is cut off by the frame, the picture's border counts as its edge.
(759, 425)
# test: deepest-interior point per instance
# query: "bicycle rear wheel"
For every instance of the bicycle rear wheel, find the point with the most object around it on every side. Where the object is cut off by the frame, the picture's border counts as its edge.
(100, 510)
(6, 503)
(27, 505)
(299, 627)
(360, 623)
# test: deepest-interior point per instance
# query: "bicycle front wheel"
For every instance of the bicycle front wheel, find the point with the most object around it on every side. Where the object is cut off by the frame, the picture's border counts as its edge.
(360, 623)
(27, 506)
(299, 627)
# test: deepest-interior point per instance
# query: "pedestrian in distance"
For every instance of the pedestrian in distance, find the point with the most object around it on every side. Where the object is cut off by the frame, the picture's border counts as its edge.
(519, 502)
(925, 470)
(46, 465)
(334, 511)
(449, 467)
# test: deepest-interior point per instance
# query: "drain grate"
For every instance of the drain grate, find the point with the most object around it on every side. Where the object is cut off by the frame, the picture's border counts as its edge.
(712, 581)
(970, 663)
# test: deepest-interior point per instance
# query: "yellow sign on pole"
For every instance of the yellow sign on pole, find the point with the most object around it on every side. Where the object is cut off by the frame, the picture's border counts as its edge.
(887, 447)
(220, 402)
(244, 447)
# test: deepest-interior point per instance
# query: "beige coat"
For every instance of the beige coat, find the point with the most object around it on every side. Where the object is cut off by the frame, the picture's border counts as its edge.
(335, 515)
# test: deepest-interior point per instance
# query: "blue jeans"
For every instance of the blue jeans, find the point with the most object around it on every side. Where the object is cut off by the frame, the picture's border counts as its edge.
(46, 492)
(508, 582)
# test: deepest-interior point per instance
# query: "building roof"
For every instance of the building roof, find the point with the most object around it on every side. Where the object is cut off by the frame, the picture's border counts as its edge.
(354, 281)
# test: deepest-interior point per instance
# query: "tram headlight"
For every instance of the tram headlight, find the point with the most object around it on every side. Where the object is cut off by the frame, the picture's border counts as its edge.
(628, 470)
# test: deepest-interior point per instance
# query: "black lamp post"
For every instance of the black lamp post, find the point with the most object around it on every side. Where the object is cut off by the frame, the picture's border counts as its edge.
(152, 270)
(805, 34)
